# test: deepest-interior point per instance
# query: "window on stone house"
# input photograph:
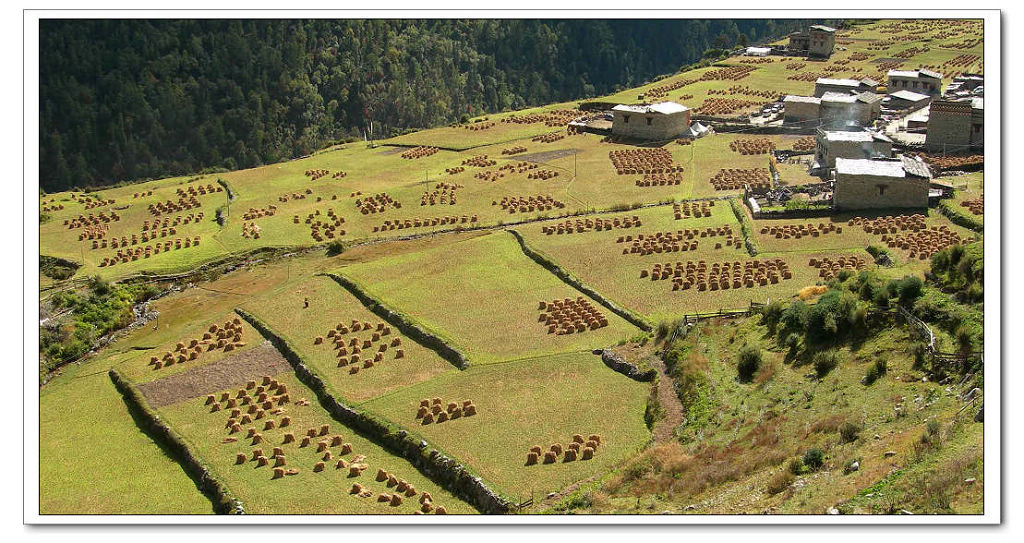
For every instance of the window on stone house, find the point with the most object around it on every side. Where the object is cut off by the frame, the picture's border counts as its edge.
(625, 119)
(649, 121)
(881, 189)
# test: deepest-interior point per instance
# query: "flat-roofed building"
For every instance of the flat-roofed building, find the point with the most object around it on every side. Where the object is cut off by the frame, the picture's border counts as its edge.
(838, 109)
(801, 109)
(650, 122)
(922, 81)
(833, 144)
(816, 41)
(956, 126)
(863, 183)
(905, 100)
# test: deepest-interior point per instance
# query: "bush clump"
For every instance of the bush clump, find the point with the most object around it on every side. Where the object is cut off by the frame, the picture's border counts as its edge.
(748, 362)
(825, 362)
(849, 432)
(814, 459)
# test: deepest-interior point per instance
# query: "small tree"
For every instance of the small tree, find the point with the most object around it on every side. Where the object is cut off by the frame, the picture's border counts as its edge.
(849, 432)
(814, 459)
(825, 362)
(749, 361)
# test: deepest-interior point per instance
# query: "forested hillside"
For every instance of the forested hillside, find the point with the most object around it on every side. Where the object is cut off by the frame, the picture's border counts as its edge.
(123, 100)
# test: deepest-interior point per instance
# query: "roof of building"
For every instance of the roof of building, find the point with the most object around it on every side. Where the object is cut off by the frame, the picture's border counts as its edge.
(837, 82)
(823, 28)
(915, 166)
(759, 50)
(867, 81)
(801, 99)
(665, 108)
(838, 98)
(869, 97)
(910, 96)
(868, 166)
(977, 102)
(860, 136)
(914, 73)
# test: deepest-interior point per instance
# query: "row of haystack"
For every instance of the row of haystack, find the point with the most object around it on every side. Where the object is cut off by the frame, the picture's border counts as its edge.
(513, 150)
(797, 231)
(660, 179)
(330, 227)
(183, 204)
(443, 193)
(455, 170)
(313, 175)
(82, 221)
(419, 152)
(94, 232)
(752, 146)
(92, 204)
(641, 161)
(434, 410)
(124, 256)
(489, 175)
(378, 203)
(518, 167)
(890, 224)
(570, 316)
(168, 223)
(52, 207)
(746, 90)
(142, 194)
(576, 226)
(548, 138)
(479, 161)
(258, 403)
(663, 90)
(251, 230)
(351, 352)
(578, 448)
(696, 210)
(198, 190)
(736, 178)
(543, 175)
(725, 106)
(416, 222)
(556, 117)
(254, 213)
(727, 275)
(679, 235)
(806, 143)
(975, 205)
(284, 198)
(521, 204)
(922, 244)
(226, 337)
(479, 126)
(829, 268)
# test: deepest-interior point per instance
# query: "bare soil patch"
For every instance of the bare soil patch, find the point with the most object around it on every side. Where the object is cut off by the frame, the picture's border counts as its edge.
(545, 156)
(230, 372)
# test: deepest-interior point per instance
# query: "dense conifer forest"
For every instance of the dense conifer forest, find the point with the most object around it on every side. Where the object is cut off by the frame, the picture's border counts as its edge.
(126, 100)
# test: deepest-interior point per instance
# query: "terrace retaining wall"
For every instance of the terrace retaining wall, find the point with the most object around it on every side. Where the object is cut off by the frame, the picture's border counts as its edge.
(223, 501)
(579, 285)
(619, 364)
(403, 323)
(433, 463)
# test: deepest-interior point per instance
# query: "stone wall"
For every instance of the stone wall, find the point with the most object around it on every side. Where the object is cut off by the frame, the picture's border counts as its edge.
(862, 192)
(799, 112)
(949, 126)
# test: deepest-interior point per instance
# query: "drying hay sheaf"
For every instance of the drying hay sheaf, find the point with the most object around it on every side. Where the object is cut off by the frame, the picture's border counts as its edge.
(513, 150)
(726, 106)
(569, 316)
(226, 337)
(911, 234)
(643, 161)
(829, 268)
(435, 410)
(455, 170)
(952, 162)
(83, 221)
(378, 203)
(695, 210)
(527, 204)
(797, 231)
(328, 227)
(184, 203)
(720, 276)
(126, 254)
(576, 226)
(357, 354)
(416, 222)
(251, 230)
(660, 179)
(478, 125)
(548, 138)
(419, 152)
(680, 240)
(557, 117)
(254, 213)
(479, 161)
(806, 143)
(579, 448)
(752, 146)
(735, 179)
(975, 205)
(443, 193)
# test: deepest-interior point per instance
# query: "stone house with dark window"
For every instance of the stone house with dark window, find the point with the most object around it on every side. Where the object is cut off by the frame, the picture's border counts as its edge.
(863, 183)
(651, 122)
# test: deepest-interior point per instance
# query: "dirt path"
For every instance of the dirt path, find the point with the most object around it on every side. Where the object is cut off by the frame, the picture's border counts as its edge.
(664, 429)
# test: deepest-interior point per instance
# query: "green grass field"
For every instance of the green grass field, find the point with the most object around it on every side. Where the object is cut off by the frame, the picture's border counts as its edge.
(539, 401)
(87, 438)
(329, 305)
(307, 492)
(483, 295)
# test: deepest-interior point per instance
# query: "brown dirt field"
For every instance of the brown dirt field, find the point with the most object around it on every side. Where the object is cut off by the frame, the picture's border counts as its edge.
(229, 372)
(544, 156)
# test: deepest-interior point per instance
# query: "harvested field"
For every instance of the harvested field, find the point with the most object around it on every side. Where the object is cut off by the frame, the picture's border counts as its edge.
(230, 372)
(443, 287)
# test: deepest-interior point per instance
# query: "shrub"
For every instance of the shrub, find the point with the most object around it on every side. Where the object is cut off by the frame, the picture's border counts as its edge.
(335, 248)
(779, 482)
(792, 343)
(749, 361)
(920, 352)
(909, 288)
(849, 432)
(814, 459)
(825, 362)
(876, 371)
(796, 466)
